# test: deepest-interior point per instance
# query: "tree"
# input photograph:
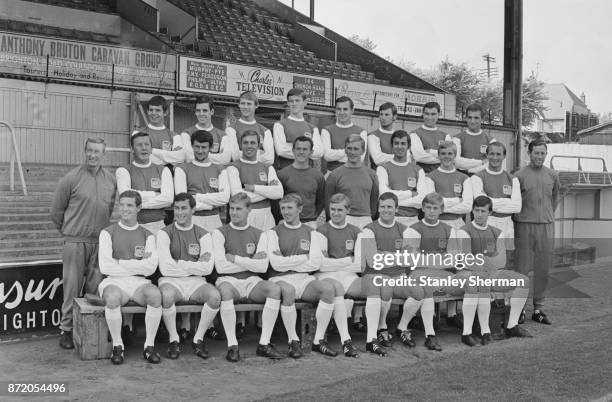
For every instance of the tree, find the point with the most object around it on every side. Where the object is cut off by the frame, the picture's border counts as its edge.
(365, 43)
(533, 99)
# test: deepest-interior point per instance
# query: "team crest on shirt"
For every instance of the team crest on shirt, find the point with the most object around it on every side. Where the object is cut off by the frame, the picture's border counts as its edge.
(441, 142)
(213, 182)
(304, 245)
(193, 249)
(457, 188)
(442, 243)
(166, 145)
(483, 149)
(308, 134)
(215, 147)
(490, 247)
(139, 251)
(263, 176)
(349, 244)
(412, 182)
(250, 248)
(399, 243)
(155, 182)
(507, 190)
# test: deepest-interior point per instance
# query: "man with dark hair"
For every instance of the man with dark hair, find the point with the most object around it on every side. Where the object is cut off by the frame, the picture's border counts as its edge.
(425, 140)
(379, 140)
(404, 178)
(82, 206)
(334, 136)
(222, 147)
(472, 142)
(484, 241)
(167, 146)
(288, 129)
(127, 255)
(535, 223)
(304, 180)
(206, 181)
(153, 183)
(185, 258)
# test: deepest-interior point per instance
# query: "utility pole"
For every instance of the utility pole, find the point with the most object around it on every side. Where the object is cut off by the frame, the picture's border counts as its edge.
(489, 71)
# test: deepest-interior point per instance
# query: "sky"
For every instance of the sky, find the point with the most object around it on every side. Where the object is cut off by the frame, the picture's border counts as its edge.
(564, 41)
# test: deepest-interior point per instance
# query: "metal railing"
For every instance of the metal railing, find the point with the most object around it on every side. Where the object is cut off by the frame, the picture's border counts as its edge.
(603, 162)
(15, 156)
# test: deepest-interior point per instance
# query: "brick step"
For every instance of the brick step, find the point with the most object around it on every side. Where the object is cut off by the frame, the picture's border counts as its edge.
(30, 243)
(23, 252)
(29, 234)
(17, 196)
(18, 208)
(30, 217)
(23, 226)
(21, 259)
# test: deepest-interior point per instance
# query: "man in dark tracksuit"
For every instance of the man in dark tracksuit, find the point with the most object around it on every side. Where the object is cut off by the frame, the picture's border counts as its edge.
(82, 206)
(535, 223)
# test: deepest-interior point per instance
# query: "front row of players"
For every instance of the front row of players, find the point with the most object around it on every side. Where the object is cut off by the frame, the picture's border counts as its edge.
(341, 257)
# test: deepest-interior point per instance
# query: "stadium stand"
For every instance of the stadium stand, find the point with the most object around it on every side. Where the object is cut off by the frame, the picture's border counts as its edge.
(240, 31)
(47, 30)
(98, 6)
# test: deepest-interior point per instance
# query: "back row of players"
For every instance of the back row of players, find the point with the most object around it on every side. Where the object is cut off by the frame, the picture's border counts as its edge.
(196, 242)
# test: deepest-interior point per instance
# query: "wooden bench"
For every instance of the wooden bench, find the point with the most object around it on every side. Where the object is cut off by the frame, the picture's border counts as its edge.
(91, 336)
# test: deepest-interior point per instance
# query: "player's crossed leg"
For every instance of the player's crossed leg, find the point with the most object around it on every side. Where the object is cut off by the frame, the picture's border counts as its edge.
(144, 294)
(194, 291)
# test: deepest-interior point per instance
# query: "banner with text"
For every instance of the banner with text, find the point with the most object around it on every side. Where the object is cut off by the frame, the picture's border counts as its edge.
(85, 62)
(370, 96)
(30, 298)
(207, 76)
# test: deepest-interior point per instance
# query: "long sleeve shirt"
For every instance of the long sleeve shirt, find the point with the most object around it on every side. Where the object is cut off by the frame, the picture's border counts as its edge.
(127, 251)
(264, 155)
(380, 151)
(205, 200)
(283, 140)
(167, 146)
(83, 204)
(407, 181)
(456, 189)
(181, 251)
(341, 248)
(150, 199)
(431, 239)
(333, 138)
(266, 183)
(426, 152)
(540, 192)
(309, 260)
(232, 239)
(503, 190)
(487, 242)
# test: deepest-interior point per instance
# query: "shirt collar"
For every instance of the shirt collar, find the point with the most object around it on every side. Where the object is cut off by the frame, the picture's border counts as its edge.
(249, 162)
(122, 226)
(182, 229)
(424, 127)
(295, 118)
(238, 227)
(468, 132)
(385, 225)
(247, 122)
(292, 226)
(382, 130)
(493, 172)
(162, 127)
(206, 163)
(480, 227)
(338, 227)
(344, 126)
(142, 166)
(446, 171)
(431, 225)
